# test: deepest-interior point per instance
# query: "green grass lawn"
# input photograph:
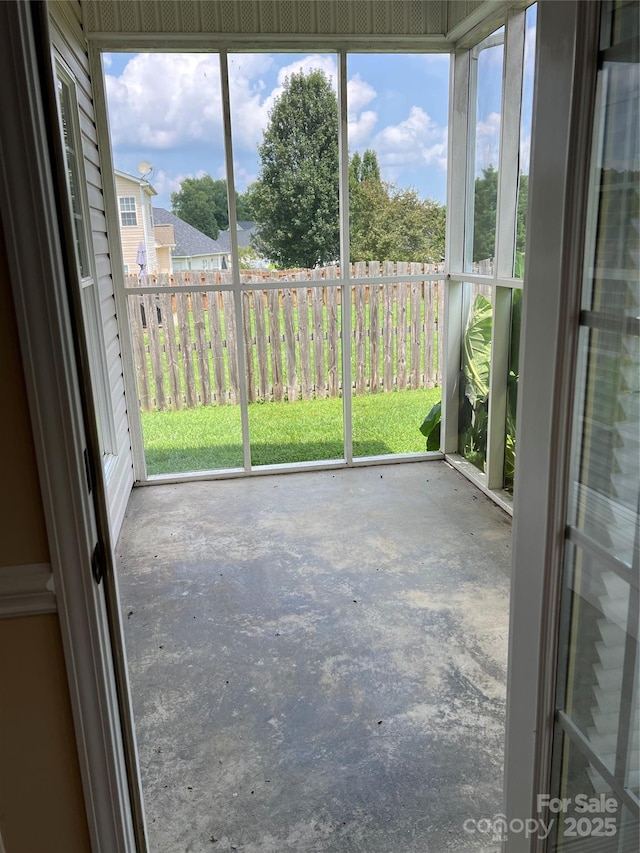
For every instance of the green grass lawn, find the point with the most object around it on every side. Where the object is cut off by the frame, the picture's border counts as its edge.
(210, 437)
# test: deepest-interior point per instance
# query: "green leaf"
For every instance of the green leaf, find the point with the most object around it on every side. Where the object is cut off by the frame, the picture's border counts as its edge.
(477, 350)
(430, 427)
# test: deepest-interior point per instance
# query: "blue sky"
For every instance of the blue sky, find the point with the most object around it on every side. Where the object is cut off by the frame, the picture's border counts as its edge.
(166, 109)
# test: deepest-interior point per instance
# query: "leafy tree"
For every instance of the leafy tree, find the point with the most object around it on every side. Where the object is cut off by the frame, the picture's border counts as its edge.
(243, 207)
(523, 200)
(388, 223)
(485, 206)
(202, 202)
(295, 199)
(485, 210)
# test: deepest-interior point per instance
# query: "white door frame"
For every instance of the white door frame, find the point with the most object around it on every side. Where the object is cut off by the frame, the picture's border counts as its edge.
(33, 240)
(566, 61)
(34, 243)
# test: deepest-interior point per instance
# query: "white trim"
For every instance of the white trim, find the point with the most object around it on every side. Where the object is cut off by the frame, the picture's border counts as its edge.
(345, 253)
(26, 590)
(295, 43)
(561, 142)
(454, 245)
(30, 224)
(500, 497)
(293, 468)
(235, 265)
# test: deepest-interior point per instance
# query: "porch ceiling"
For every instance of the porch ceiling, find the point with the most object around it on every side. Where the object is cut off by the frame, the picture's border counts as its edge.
(406, 24)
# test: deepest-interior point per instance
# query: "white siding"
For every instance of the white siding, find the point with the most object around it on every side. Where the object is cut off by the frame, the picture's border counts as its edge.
(68, 40)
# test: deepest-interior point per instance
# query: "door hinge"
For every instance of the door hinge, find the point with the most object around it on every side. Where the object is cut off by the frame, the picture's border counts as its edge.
(97, 563)
(87, 470)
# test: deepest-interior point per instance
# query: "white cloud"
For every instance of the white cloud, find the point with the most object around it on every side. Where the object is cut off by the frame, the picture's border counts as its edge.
(359, 94)
(360, 128)
(164, 183)
(161, 100)
(326, 64)
(416, 141)
(487, 142)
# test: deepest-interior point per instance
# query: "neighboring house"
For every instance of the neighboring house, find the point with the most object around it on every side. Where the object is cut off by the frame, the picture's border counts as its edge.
(192, 250)
(246, 230)
(135, 218)
(165, 244)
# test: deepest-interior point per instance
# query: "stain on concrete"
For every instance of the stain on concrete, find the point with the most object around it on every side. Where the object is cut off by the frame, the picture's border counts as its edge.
(319, 666)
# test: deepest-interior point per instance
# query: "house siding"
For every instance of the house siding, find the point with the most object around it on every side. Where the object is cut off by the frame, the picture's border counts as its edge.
(131, 236)
(68, 39)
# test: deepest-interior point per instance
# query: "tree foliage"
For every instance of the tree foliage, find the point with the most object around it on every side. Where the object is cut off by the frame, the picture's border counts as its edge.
(295, 199)
(388, 223)
(202, 202)
(485, 211)
(485, 206)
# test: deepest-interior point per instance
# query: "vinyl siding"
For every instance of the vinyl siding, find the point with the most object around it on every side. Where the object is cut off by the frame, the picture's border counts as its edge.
(68, 39)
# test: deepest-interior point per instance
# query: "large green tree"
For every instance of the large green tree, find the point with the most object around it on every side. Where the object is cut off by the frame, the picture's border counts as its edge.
(295, 199)
(485, 211)
(388, 223)
(485, 205)
(202, 202)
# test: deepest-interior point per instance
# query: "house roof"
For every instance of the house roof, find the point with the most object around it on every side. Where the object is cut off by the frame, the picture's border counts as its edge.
(189, 241)
(246, 230)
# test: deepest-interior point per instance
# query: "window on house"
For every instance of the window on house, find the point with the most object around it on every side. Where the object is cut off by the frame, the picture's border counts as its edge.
(128, 216)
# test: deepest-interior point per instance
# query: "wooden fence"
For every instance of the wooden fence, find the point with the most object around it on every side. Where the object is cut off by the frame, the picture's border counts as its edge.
(184, 342)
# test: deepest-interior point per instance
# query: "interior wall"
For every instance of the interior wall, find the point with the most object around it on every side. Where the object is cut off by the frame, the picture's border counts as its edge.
(41, 800)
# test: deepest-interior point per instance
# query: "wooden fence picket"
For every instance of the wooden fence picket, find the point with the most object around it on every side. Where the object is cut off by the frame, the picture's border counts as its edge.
(186, 349)
(387, 328)
(261, 344)
(290, 344)
(217, 349)
(302, 295)
(333, 334)
(374, 329)
(401, 329)
(275, 342)
(415, 329)
(317, 334)
(170, 345)
(185, 353)
(231, 336)
(360, 271)
(202, 348)
(139, 352)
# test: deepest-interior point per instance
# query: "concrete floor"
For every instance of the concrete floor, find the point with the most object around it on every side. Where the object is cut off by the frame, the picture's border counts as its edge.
(318, 660)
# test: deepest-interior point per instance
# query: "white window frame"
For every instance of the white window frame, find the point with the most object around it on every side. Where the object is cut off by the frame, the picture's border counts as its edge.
(460, 197)
(127, 207)
(177, 42)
